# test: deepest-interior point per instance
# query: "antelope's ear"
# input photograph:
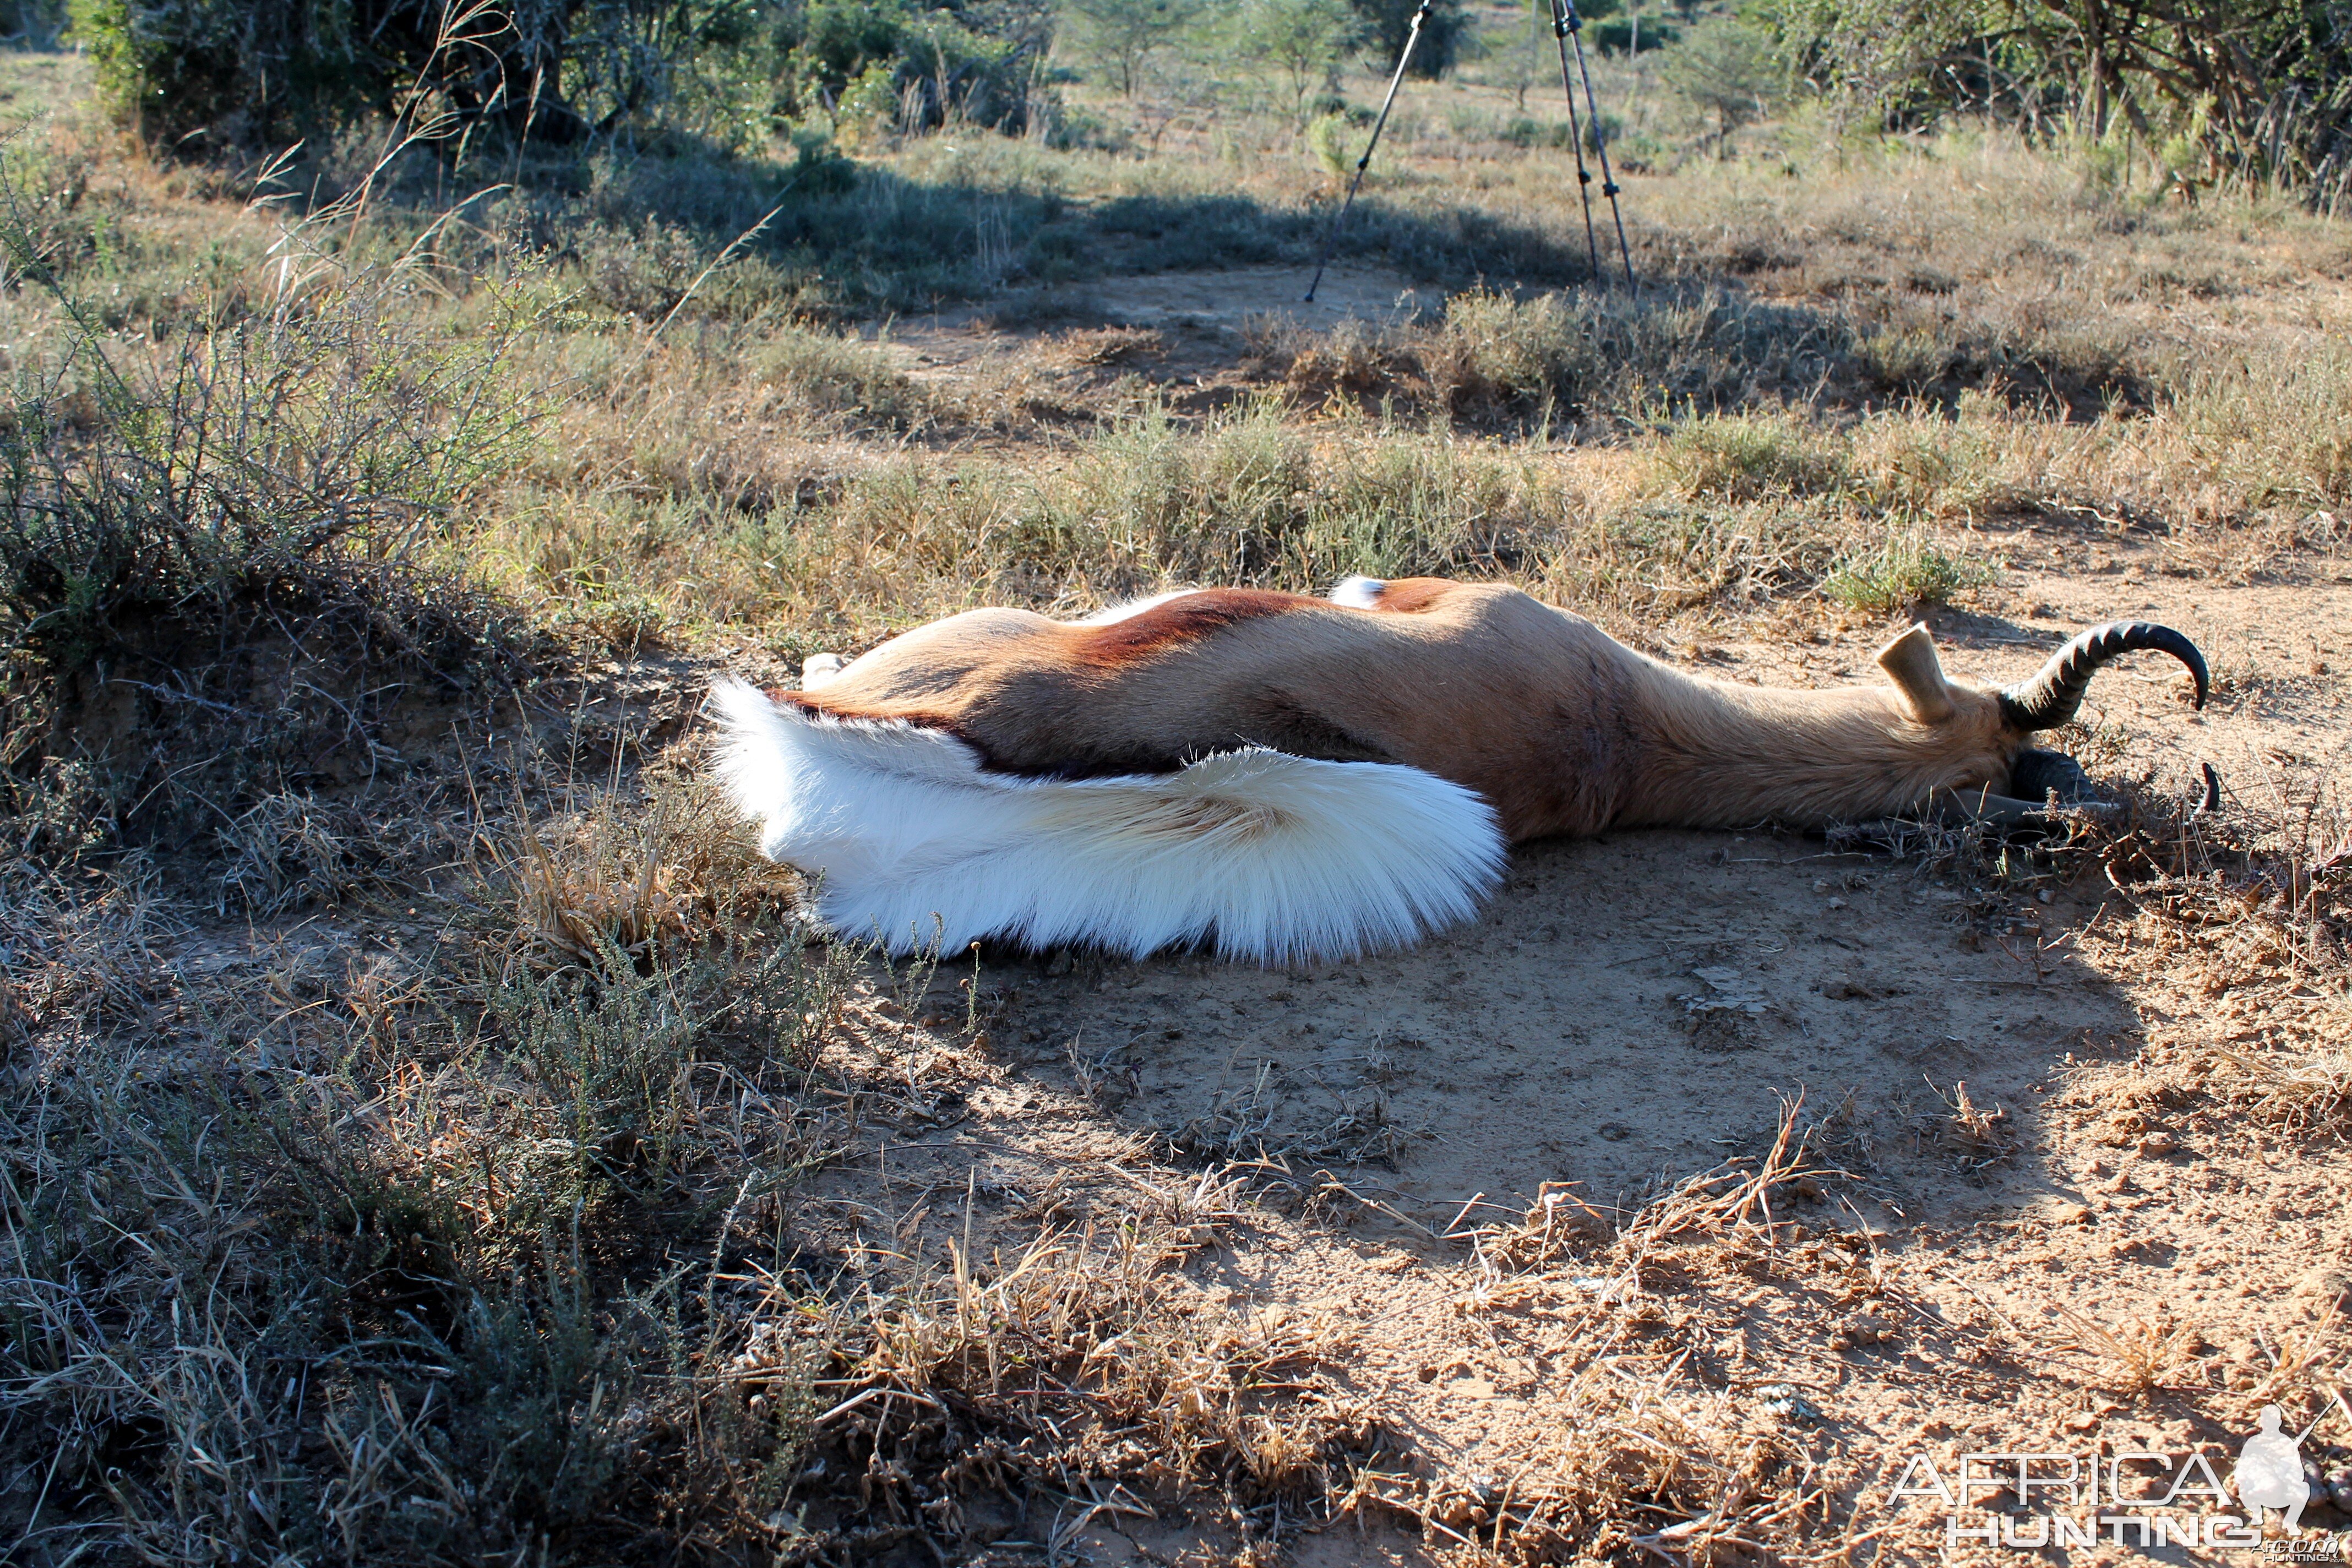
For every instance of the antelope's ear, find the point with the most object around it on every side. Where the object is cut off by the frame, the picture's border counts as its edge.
(1910, 663)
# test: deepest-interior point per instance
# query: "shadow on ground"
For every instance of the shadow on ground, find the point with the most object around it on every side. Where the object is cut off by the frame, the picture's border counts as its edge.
(1626, 1012)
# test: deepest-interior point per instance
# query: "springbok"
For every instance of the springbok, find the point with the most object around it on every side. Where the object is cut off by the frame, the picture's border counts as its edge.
(1294, 778)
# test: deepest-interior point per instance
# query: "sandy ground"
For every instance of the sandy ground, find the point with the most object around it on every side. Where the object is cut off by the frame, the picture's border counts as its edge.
(2010, 1185)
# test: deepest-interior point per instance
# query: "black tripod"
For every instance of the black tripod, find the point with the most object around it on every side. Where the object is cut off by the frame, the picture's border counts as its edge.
(1566, 28)
(1332, 235)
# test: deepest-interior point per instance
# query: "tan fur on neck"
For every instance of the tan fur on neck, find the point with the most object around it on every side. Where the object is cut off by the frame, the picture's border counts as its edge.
(1724, 756)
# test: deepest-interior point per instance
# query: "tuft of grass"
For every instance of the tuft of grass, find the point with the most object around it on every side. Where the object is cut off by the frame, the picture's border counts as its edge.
(1743, 458)
(826, 373)
(217, 591)
(1899, 576)
(2137, 1356)
(2279, 433)
(413, 1182)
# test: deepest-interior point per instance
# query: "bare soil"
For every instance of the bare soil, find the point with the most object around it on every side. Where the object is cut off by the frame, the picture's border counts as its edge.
(2014, 1200)
(1189, 332)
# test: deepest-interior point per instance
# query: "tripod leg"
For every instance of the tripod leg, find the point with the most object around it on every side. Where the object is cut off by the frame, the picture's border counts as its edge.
(1561, 30)
(1608, 186)
(1332, 235)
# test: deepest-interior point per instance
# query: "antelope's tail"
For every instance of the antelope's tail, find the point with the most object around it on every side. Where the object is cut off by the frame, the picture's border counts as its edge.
(1269, 856)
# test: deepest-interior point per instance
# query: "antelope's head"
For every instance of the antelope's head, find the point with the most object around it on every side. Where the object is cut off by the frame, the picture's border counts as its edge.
(1995, 774)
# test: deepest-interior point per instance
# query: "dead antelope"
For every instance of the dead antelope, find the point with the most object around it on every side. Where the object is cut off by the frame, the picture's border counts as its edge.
(1293, 777)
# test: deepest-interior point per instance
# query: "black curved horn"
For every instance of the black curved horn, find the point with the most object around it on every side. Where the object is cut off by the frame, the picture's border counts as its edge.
(2051, 697)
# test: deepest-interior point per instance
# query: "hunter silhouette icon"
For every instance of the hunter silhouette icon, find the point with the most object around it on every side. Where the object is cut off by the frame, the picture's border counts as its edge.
(2270, 1473)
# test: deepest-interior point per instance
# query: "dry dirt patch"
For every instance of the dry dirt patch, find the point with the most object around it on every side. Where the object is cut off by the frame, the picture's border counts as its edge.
(1182, 327)
(1628, 1011)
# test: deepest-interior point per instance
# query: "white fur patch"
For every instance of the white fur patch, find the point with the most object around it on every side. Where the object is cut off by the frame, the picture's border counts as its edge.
(1132, 607)
(1359, 593)
(1272, 857)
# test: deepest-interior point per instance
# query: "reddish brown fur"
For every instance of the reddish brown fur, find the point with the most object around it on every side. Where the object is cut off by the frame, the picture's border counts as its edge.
(1408, 595)
(1184, 620)
(1561, 728)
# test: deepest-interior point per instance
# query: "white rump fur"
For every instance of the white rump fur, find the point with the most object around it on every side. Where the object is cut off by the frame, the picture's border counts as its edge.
(1275, 856)
(1358, 593)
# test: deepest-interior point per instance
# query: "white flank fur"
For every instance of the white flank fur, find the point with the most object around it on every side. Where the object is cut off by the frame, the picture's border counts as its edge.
(1359, 593)
(1275, 857)
(1111, 613)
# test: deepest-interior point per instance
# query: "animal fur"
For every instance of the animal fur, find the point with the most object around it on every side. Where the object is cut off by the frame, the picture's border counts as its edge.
(1269, 856)
(1287, 776)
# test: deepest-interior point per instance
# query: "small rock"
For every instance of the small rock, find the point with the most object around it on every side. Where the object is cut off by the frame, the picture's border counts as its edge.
(1837, 903)
(2159, 1142)
(1860, 1330)
(2324, 1286)
(2123, 1128)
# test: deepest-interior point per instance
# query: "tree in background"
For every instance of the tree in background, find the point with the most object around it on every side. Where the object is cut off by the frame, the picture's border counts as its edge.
(2264, 86)
(1725, 66)
(888, 60)
(1303, 40)
(33, 24)
(1390, 22)
(1119, 36)
(244, 75)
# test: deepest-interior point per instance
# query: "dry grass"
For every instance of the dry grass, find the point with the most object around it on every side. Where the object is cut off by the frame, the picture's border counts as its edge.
(2136, 1356)
(416, 1153)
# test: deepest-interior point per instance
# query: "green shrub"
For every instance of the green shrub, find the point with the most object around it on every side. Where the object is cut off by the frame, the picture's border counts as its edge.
(247, 74)
(234, 73)
(1388, 23)
(889, 61)
(1742, 457)
(1906, 571)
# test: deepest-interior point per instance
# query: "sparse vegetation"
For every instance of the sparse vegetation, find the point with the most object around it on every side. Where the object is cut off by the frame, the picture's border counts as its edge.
(432, 1134)
(1902, 575)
